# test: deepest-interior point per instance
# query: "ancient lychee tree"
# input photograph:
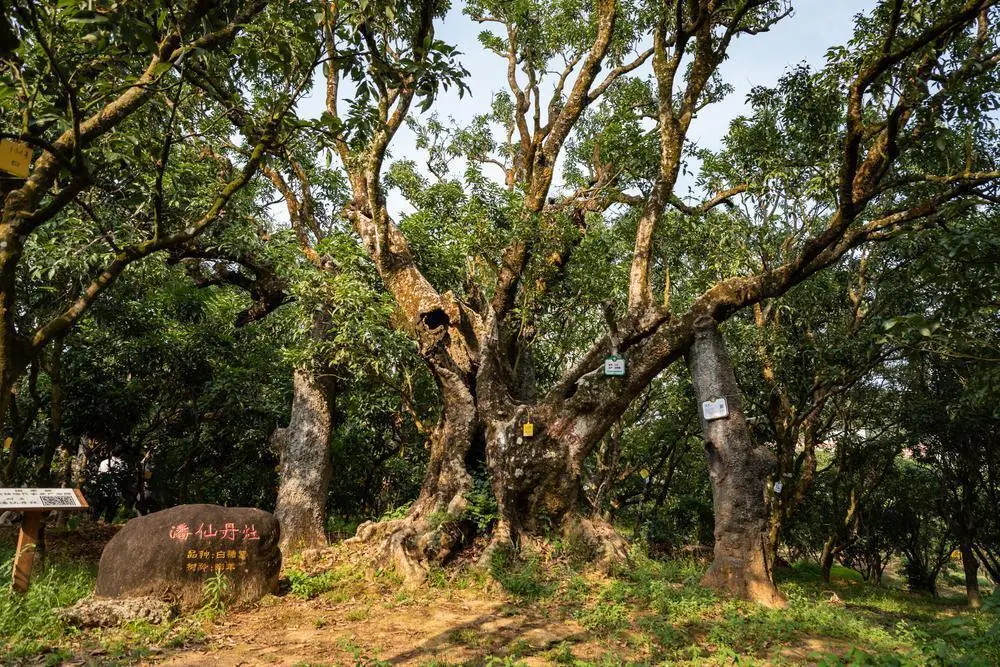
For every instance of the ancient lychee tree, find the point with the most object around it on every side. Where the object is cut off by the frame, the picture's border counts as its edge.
(894, 138)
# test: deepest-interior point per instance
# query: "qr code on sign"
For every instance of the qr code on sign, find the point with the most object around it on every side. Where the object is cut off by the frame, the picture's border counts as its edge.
(55, 501)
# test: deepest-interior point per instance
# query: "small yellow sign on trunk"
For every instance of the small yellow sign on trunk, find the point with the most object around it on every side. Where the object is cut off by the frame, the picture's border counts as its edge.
(15, 157)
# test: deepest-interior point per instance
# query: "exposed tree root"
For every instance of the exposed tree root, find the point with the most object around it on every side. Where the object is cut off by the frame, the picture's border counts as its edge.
(387, 544)
(410, 545)
(502, 537)
(597, 540)
(589, 539)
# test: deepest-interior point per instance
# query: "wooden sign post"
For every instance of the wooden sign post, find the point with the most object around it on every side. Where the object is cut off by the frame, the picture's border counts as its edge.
(35, 503)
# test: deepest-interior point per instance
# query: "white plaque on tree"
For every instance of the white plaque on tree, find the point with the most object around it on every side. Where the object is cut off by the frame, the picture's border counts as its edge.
(717, 409)
(614, 365)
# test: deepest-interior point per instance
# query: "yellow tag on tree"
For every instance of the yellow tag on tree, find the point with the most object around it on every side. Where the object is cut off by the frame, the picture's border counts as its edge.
(528, 430)
(15, 157)
(8, 442)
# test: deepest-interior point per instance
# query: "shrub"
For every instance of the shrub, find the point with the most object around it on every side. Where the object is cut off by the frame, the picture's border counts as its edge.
(604, 618)
(306, 586)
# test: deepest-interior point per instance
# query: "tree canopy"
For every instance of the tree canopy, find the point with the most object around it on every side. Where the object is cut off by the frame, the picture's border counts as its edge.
(201, 278)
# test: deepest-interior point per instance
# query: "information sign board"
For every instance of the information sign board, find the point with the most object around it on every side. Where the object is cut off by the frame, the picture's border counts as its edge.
(42, 499)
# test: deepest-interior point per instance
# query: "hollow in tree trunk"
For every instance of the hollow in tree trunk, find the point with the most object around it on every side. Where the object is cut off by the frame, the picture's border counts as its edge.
(738, 472)
(304, 468)
(536, 478)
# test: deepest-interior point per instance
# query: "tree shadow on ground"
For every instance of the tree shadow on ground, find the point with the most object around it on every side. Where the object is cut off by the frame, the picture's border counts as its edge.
(487, 635)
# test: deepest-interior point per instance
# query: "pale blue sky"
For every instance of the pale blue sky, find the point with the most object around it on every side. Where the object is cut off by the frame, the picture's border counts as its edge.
(753, 60)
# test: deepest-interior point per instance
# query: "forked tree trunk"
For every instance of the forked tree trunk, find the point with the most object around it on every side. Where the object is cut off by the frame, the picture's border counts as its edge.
(536, 479)
(305, 467)
(738, 471)
(971, 566)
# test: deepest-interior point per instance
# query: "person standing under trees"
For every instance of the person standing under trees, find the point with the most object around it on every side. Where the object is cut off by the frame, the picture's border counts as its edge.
(144, 500)
(105, 491)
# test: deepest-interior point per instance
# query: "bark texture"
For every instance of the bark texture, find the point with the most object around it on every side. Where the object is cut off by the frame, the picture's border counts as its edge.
(970, 564)
(738, 471)
(826, 560)
(305, 468)
(536, 479)
(432, 531)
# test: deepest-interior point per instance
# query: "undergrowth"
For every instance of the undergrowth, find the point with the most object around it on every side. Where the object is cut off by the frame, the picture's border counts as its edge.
(28, 622)
(521, 575)
(31, 629)
(656, 611)
(649, 612)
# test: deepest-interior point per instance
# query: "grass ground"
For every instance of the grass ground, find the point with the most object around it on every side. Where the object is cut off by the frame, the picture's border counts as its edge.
(533, 610)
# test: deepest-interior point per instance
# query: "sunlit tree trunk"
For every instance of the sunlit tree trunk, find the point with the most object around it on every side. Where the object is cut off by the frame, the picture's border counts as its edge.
(305, 468)
(433, 529)
(739, 471)
(826, 559)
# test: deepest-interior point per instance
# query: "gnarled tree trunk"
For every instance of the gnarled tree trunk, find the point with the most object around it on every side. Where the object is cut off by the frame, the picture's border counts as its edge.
(305, 467)
(536, 478)
(738, 470)
(432, 530)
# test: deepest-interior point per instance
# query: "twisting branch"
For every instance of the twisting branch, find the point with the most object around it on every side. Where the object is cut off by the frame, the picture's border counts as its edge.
(674, 117)
(722, 197)
(297, 215)
(267, 290)
(617, 73)
(161, 164)
(32, 19)
(20, 205)
(539, 175)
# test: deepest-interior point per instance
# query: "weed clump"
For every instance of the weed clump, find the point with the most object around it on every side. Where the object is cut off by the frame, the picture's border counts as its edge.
(520, 575)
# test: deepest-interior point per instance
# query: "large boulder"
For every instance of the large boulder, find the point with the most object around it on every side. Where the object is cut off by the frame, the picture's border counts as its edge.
(170, 555)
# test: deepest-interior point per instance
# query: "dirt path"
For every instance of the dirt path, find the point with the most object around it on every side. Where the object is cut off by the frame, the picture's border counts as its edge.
(453, 629)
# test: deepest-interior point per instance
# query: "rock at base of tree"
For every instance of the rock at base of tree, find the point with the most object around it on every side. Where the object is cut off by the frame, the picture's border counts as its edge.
(97, 613)
(170, 555)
